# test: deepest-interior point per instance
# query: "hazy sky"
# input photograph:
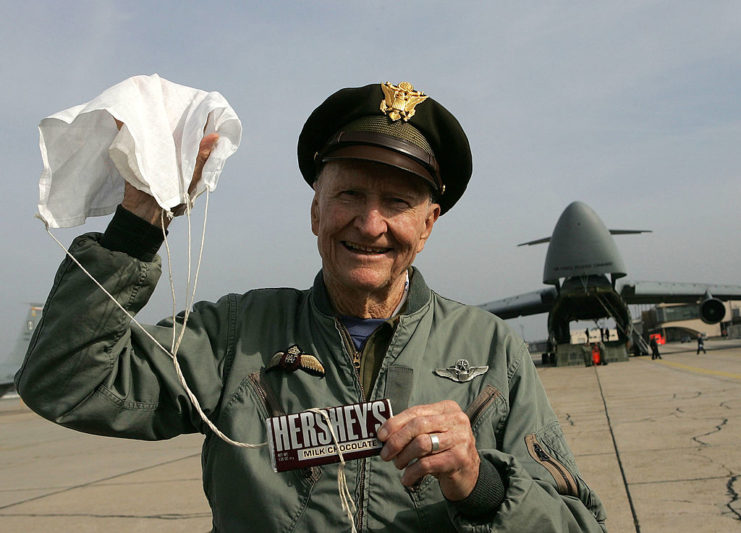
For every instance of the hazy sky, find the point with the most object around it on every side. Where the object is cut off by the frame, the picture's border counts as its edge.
(632, 107)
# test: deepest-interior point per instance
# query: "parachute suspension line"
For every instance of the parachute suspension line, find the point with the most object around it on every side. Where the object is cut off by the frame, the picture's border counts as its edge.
(169, 272)
(189, 300)
(200, 257)
(196, 404)
(348, 505)
(190, 294)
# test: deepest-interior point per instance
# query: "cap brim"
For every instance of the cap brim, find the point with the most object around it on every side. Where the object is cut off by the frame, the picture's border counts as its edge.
(378, 154)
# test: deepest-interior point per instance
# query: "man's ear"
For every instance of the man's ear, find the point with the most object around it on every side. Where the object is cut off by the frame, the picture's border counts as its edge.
(315, 214)
(433, 213)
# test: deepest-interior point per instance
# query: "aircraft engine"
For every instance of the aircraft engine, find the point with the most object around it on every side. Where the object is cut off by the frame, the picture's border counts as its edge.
(712, 310)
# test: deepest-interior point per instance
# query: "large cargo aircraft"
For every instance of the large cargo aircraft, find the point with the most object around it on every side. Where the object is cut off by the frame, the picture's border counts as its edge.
(585, 272)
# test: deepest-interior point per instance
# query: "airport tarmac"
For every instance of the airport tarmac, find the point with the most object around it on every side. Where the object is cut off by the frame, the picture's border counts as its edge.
(658, 441)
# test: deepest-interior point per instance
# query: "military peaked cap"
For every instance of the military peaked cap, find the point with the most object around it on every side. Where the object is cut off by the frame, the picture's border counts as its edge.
(393, 125)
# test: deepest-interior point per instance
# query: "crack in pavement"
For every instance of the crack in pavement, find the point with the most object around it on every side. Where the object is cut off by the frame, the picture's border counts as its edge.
(678, 480)
(686, 396)
(732, 505)
(717, 429)
(657, 417)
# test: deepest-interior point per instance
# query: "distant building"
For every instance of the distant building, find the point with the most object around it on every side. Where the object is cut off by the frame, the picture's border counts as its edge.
(679, 322)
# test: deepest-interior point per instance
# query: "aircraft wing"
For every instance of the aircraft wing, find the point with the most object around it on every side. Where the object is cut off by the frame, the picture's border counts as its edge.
(646, 292)
(531, 303)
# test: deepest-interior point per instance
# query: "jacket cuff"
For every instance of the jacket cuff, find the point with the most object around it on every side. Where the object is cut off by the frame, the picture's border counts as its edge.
(486, 496)
(132, 235)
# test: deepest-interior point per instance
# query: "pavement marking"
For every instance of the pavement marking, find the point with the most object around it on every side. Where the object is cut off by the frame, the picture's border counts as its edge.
(699, 370)
(54, 492)
(633, 511)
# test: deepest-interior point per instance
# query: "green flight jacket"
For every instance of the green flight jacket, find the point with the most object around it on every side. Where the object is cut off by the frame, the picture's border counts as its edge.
(89, 369)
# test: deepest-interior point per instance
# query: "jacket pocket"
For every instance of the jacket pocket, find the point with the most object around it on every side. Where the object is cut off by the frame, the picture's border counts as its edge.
(272, 407)
(565, 482)
(268, 401)
(480, 404)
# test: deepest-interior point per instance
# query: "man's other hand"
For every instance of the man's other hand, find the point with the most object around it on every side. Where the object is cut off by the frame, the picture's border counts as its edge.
(408, 443)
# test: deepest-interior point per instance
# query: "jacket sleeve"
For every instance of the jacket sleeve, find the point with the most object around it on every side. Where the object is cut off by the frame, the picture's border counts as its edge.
(544, 491)
(90, 369)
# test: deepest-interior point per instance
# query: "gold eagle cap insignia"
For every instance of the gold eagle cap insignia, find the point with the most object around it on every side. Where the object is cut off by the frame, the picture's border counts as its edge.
(400, 100)
(294, 359)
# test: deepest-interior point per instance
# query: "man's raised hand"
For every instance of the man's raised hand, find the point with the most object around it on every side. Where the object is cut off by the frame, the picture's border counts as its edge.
(146, 207)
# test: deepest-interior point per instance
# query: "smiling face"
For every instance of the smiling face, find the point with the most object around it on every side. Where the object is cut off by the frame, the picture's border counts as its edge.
(371, 221)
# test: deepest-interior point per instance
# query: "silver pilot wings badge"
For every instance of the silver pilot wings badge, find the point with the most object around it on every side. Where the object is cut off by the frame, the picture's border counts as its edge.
(462, 371)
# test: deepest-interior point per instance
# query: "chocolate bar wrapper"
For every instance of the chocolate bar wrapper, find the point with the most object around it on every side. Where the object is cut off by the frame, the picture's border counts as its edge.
(301, 440)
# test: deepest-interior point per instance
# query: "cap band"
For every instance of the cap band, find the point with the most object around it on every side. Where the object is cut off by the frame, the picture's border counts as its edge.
(373, 146)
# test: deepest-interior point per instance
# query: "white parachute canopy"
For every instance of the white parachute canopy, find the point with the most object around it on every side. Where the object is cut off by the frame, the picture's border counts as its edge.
(86, 158)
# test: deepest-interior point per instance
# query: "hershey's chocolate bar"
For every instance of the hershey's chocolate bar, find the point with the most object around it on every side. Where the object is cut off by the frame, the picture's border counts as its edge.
(303, 439)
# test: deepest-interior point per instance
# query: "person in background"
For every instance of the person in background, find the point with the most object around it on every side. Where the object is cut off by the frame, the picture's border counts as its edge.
(700, 344)
(655, 349)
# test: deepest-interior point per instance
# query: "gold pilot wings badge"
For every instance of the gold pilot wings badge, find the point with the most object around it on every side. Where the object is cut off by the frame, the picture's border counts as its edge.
(462, 371)
(400, 100)
(294, 359)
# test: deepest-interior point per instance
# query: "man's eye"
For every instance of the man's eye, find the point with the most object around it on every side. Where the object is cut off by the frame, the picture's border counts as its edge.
(400, 202)
(346, 196)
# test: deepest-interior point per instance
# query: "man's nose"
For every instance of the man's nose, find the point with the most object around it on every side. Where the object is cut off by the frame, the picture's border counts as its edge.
(371, 221)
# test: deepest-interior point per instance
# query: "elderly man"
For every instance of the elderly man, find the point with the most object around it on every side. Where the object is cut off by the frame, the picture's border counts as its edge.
(474, 445)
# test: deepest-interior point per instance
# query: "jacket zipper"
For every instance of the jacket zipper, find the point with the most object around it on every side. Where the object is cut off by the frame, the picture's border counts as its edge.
(564, 480)
(481, 403)
(350, 346)
(355, 361)
(271, 405)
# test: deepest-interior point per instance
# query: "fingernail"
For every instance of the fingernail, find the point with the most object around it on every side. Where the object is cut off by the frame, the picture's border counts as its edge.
(382, 433)
(384, 453)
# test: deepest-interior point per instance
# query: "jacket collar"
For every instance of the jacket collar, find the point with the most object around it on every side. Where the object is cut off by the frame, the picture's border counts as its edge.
(419, 294)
